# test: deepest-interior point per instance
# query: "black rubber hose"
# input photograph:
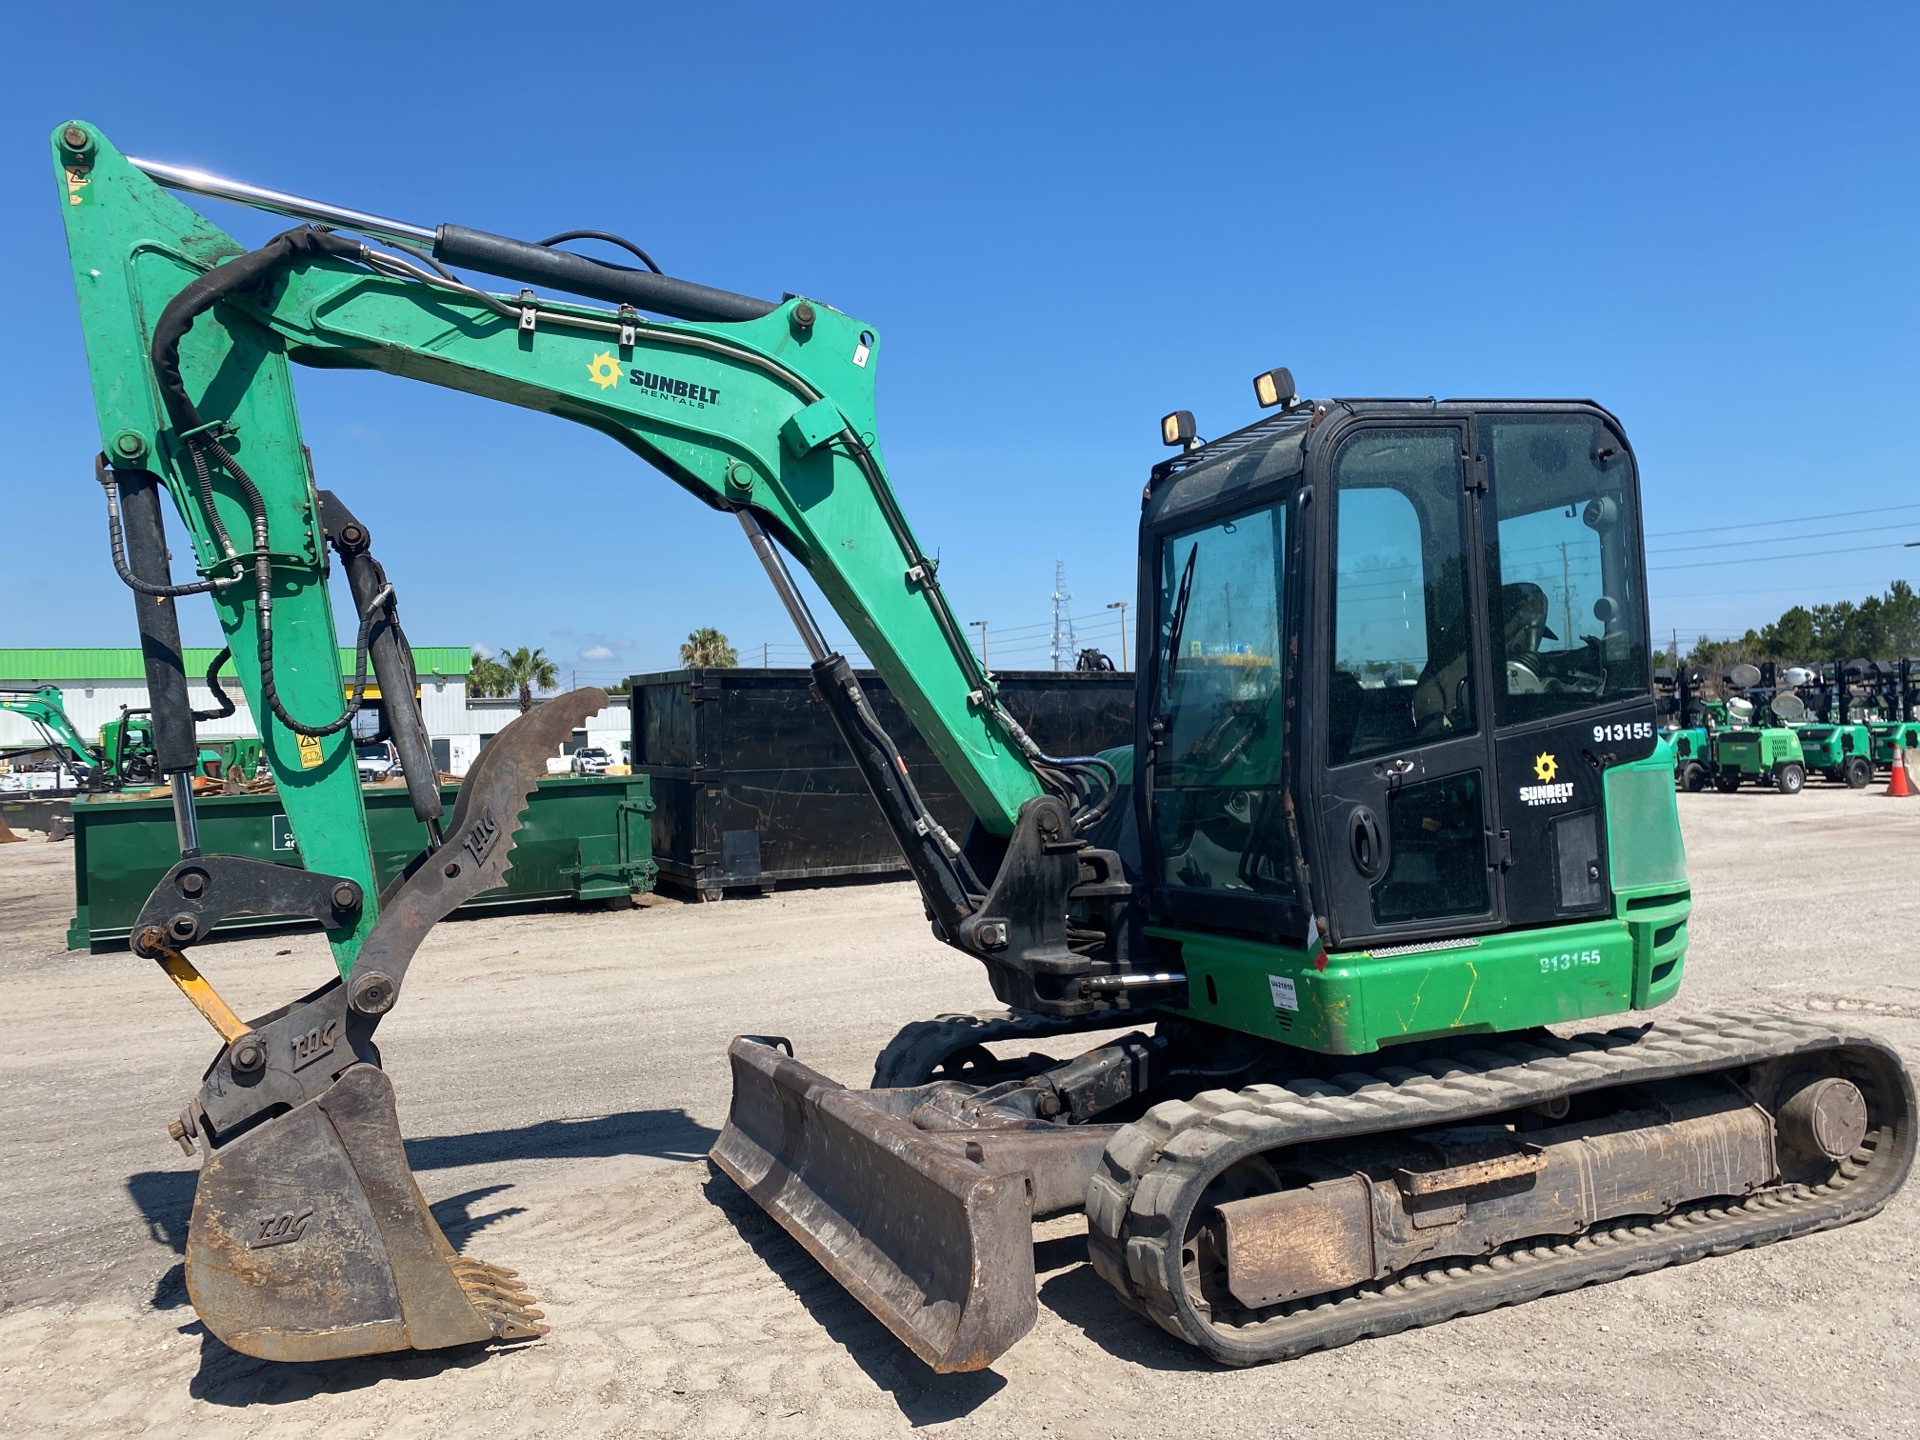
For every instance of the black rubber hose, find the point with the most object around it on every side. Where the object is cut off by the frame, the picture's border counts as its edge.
(220, 697)
(611, 239)
(117, 545)
(243, 272)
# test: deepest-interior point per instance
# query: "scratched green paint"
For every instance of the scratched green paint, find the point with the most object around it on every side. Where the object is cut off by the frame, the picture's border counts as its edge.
(1491, 984)
(1363, 1001)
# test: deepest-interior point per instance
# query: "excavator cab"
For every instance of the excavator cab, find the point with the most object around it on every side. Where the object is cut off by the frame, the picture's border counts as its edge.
(1423, 622)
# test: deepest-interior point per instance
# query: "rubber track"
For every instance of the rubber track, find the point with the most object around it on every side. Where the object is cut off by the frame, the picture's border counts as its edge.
(1155, 1170)
(911, 1056)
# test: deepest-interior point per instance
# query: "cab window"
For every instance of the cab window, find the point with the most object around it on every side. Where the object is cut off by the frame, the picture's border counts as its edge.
(1569, 615)
(1219, 817)
(1402, 671)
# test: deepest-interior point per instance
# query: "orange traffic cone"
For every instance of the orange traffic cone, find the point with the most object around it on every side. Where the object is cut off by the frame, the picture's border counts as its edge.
(1897, 784)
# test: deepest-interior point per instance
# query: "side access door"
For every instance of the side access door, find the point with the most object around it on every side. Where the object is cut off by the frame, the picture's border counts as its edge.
(1408, 822)
(1570, 691)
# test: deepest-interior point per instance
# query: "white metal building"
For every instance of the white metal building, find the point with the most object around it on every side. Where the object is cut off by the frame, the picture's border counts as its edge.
(97, 684)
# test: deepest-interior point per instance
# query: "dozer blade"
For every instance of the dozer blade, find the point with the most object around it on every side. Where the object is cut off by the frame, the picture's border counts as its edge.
(932, 1231)
(310, 1241)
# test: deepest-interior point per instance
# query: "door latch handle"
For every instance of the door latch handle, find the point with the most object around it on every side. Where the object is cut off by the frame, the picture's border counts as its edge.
(1366, 843)
(1499, 849)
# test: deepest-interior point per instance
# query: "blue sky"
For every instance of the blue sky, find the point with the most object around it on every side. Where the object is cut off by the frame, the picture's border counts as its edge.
(1065, 220)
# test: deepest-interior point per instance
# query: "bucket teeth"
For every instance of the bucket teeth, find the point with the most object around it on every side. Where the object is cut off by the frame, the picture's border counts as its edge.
(501, 1299)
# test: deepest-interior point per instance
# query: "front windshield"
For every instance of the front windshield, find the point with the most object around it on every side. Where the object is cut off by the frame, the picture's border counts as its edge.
(1218, 715)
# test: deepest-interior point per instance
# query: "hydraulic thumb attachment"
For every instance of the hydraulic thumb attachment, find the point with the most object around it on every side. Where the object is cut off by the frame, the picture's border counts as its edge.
(309, 1238)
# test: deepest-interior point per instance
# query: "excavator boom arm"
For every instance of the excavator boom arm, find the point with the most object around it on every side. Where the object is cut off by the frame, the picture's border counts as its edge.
(771, 418)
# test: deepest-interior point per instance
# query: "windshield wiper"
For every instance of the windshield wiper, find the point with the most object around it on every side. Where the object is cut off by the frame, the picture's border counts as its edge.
(1178, 625)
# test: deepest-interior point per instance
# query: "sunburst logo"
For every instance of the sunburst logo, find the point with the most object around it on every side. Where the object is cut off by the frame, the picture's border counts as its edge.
(1545, 767)
(603, 370)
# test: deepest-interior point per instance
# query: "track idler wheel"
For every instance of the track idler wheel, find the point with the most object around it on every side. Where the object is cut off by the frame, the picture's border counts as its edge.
(311, 1241)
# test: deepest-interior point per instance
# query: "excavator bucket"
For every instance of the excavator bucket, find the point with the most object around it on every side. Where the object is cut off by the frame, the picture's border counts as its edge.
(310, 1241)
(931, 1230)
(309, 1238)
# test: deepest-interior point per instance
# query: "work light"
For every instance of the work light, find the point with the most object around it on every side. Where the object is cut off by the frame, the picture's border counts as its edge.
(1273, 388)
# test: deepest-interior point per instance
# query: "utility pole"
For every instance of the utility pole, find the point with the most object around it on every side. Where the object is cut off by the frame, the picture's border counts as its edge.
(1062, 621)
(981, 626)
(765, 663)
(1566, 594)
(1121, 606)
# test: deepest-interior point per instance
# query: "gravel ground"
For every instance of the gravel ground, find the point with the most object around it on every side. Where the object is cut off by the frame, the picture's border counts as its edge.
(562, 1075)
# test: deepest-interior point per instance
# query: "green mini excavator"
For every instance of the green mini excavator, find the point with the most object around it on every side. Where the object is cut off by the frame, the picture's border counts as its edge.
(1394, 816)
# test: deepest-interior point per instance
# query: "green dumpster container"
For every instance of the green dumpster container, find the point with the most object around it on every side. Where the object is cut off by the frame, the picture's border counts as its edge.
(581, 838)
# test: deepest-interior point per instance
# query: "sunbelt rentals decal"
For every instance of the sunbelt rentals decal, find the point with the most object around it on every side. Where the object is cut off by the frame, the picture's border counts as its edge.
(603, 370)
(1549, 791)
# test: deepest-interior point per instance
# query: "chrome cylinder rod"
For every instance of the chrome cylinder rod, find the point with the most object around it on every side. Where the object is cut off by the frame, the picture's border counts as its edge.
(783, 585)
(184, 819)
(198, 182)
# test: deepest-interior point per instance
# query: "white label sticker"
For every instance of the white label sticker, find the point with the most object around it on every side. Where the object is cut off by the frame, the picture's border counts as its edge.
(1284, 997)
(860, 355)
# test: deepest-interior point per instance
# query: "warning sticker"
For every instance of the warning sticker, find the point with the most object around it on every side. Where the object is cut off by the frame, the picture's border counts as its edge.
(1284, 997)
(310, 753)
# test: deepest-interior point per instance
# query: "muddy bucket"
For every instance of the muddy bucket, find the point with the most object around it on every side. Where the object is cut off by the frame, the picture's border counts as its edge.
(311, 1241)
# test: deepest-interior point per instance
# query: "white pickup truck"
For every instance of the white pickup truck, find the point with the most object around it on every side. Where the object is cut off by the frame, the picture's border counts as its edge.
(376, 759)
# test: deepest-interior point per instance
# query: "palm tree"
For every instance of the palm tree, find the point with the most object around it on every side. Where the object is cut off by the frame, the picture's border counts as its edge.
(527, 671)
(707, 648)
(488, 679)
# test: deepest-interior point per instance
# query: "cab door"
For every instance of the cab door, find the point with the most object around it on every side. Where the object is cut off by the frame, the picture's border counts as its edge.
(1570, 685)
(1406, 775)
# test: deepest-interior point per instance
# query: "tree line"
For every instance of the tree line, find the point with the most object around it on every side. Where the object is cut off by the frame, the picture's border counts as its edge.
(523, 671)
(1880, 627)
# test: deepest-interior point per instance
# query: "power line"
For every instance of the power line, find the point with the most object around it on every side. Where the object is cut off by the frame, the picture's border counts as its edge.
(1791, 520)
(1762, 559)
(1769, 540)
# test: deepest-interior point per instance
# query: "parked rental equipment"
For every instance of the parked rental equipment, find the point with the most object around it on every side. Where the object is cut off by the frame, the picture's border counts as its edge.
(1695, 724)
(1395, 803)
(1842, 753)
(44, 708)
(1752, 751)
(124, 757)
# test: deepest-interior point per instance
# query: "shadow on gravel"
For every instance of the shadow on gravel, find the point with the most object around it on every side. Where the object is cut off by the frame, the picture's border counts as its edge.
(923, 1397)
(1081, 1298)
(227, 1377)
(662, 1134)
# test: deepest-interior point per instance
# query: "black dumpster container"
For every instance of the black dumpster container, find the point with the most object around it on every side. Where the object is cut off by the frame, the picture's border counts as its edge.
(754, 787)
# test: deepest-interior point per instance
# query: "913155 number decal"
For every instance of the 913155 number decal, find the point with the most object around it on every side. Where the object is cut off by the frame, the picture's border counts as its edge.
(1568, 960)
(1635, 730)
